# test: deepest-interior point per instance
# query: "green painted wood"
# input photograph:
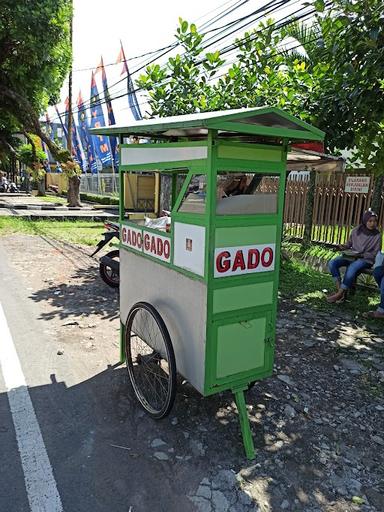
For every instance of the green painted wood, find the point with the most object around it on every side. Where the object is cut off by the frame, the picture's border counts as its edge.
(236, 236)
(163, 166)
(214, 121)
(241, 297)
(245, 152)
(244, 424)
(267, 131)
(241, 309)
(240, 346)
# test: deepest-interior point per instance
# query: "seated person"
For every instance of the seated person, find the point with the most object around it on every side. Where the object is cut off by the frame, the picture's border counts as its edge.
(365, 241)
(378, 274)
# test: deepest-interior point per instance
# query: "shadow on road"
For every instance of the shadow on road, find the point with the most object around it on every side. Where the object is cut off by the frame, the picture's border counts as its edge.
(84, 294)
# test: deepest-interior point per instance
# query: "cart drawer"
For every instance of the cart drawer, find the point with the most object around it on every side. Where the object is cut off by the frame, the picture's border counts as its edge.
(241, 346)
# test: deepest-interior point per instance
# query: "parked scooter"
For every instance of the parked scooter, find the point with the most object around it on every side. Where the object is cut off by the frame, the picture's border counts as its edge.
(109, 267)
(6, 186)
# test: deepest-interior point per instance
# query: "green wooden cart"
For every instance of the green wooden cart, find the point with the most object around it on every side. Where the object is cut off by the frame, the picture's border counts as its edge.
(201, 298)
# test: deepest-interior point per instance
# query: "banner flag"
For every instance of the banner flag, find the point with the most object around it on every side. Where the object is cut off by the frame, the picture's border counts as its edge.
(84, 134)
(48, 130)
(132, 99)
(76, 146)
(65, 131)
(108, 102)
(100, 143)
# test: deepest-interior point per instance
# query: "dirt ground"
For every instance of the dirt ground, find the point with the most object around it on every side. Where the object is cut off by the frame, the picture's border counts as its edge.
(317, 423)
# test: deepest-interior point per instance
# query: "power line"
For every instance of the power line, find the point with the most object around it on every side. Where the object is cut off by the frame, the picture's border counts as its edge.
(279, 24)
(172, 45)
(259, 13)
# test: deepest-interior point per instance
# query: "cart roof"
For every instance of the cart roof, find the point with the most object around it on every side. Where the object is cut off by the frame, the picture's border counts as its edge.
(262, 121)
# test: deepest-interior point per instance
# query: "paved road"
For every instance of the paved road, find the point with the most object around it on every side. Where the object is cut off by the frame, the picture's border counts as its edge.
(59, 431)
(73, 438)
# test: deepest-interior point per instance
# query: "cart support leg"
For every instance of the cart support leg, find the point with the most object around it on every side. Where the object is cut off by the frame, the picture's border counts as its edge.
(244, 424)
(122, 343)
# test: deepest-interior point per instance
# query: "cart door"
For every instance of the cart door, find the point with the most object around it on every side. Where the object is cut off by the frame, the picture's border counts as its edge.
(245, 277)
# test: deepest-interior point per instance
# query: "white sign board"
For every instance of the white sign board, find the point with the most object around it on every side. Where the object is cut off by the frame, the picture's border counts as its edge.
(150, 243)
(189, 247)
(357, 184)
(232, 261)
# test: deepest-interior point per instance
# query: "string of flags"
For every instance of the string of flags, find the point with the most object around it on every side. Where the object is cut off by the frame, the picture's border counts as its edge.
(93, 152)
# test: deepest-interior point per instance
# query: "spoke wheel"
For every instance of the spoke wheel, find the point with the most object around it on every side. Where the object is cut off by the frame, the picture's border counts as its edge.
(150, 360)
(108, 275)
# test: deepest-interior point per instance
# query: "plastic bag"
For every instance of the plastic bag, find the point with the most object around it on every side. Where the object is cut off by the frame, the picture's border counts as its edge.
(161, 223)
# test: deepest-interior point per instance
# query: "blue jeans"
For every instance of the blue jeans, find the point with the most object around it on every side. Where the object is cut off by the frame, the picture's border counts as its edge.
(378, 274)
(353, 269)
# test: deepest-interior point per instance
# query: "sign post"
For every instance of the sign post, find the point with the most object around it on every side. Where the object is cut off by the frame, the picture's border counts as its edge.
(357, 184)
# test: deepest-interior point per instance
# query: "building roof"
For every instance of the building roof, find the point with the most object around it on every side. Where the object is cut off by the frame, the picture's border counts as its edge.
(269, 122)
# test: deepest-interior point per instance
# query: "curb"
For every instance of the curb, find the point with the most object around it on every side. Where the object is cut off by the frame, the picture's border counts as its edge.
(32, 207)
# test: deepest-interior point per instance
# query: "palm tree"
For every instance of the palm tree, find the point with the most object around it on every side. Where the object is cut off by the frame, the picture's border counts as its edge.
(309, 42)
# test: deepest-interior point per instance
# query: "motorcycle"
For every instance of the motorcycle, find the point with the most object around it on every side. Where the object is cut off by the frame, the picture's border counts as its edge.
(109, 266)
(6, 186)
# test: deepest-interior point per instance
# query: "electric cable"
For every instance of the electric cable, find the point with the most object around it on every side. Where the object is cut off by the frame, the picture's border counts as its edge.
(223, 51)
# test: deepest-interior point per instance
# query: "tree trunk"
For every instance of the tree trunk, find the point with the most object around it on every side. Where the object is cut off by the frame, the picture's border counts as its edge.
(41, 187)
(73, 194)
(376, 196)
(308, 216)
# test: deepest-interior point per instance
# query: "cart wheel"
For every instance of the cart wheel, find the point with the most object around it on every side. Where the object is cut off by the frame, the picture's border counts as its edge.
(108, 275)
(150, 360)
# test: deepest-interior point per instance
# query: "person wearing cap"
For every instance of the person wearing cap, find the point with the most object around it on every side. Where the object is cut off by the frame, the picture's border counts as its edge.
(365, 242)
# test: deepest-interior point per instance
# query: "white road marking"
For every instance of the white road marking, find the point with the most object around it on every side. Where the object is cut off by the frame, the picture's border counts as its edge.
(40, 484)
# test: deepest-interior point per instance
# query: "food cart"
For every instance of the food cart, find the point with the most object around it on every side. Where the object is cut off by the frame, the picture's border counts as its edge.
(199, 297)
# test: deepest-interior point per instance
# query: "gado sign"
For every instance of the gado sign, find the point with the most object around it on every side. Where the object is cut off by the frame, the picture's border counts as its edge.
(357, 184)
(233, 261)
(147, 242)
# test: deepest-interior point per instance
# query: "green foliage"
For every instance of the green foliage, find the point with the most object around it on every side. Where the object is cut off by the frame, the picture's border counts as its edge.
(304, 285)
(94, 198)
(78, 232)
(33, 159)
(35, 56)
(34, 48)
(335, 83)
(261, 76)
(181, 85)
(351, 104)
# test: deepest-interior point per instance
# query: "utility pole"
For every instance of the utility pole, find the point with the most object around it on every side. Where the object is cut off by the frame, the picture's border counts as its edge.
(73, 181)
(69, 127)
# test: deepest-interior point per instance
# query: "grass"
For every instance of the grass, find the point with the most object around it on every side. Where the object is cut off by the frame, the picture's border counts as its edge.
(53, 199)
(298, 281)
(75, 232)
(304, 285)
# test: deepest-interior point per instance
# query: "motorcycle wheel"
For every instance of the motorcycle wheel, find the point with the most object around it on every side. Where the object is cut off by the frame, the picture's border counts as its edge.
(107, 274)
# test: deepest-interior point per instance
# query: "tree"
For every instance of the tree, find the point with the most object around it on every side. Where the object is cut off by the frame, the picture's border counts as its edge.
(190, 82)
(34, 157)
(182, 86)
(35, 56)
(337, 85)
(349, 104)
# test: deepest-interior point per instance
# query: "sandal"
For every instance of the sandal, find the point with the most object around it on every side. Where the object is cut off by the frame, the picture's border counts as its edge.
(374, 314)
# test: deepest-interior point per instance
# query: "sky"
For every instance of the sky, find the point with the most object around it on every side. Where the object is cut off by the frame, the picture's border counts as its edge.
(99, 25)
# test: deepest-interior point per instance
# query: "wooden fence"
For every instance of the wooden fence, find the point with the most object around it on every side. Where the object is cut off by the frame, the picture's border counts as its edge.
(335, 212)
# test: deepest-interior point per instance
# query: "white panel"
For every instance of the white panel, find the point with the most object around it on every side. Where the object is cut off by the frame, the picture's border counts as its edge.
(189, 247)
(181, 302)
(232, 261)
(148, 242)
(142, 155)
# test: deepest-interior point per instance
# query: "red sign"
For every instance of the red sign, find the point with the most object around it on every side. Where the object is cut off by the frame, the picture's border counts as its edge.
(147, 242)
(233, 261)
